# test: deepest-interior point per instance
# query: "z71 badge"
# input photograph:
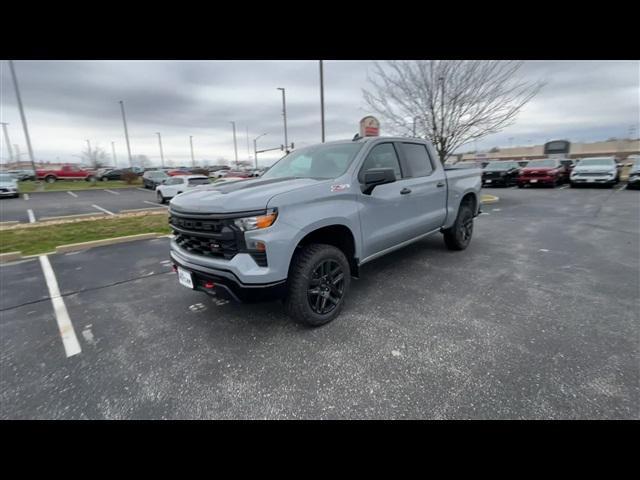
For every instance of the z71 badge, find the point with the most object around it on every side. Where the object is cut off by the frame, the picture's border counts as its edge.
(339, 187)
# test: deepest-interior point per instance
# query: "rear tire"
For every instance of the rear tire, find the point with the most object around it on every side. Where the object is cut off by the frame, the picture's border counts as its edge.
(319, 279)
(50, 179)
(459, 235)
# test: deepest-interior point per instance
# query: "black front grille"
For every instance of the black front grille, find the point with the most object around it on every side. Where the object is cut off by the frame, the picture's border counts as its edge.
(211, 237)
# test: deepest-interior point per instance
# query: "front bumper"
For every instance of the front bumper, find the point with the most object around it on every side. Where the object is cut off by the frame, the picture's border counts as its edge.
(536, 180)
(8, 193)
(224, 283)
(494, 181)
(586, 180)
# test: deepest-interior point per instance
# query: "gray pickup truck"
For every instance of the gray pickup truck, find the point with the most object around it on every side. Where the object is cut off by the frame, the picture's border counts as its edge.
(303, 229)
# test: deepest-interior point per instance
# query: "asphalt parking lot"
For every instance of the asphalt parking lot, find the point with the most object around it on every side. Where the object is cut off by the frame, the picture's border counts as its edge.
(55, 204)
(537, 319)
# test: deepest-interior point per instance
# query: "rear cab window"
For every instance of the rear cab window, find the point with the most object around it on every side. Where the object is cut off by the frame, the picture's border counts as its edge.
(417, 159)
(199, 181)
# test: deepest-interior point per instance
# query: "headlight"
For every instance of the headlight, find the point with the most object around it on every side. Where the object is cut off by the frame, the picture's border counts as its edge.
(258, 222)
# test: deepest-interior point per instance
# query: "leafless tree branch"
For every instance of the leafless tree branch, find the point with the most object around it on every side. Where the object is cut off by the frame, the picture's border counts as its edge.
(453, 102)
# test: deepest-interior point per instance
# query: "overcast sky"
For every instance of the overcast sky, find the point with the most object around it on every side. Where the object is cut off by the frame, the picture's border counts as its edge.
(67, 102)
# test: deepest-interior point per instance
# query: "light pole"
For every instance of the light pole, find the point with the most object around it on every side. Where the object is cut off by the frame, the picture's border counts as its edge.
(284, 114)
(255, 148)
(322, 100)
(161, 154)
(193, 160)
(248, 148)
(113, 152)
(22, 116)
(6, 140)
(235, 143)
(126, 132)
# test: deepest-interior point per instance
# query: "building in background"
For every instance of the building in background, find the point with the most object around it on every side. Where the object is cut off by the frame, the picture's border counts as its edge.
(620, 149)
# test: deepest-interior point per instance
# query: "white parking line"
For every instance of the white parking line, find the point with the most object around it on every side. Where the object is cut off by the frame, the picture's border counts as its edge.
(103, 209)
(25, 196)
(32, 218)
(73, 194)
(111, 191)
(68, 334)
(621, 188)
(144, 190)
(154, 203)
(564, 187)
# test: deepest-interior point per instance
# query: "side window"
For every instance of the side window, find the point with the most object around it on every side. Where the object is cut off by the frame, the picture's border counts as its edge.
(382, 156)
(417, 159)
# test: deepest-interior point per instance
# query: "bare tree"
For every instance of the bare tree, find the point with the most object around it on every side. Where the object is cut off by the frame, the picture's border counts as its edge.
(450, 102)
(94, 157)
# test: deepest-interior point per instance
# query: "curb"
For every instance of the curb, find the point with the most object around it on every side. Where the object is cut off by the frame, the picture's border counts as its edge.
(74, 247)
(488, 199)
(77, 215)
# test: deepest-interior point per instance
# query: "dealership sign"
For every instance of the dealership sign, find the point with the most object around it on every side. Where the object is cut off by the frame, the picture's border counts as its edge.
(369, 127)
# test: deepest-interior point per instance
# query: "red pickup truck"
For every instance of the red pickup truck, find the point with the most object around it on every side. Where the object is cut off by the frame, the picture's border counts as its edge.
(66, 172)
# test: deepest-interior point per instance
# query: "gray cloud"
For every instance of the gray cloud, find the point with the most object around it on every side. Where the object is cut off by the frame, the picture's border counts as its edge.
(69, 101)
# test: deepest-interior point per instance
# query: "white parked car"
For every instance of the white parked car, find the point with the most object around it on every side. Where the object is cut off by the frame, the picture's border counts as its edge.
(8, 186)
(178, 184)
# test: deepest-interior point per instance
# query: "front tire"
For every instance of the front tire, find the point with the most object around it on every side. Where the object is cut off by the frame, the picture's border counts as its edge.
(50, 179)
(459, 235)
(161, 199)
(319, 279)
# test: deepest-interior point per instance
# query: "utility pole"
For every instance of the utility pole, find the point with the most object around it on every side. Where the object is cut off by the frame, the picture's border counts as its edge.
(248, 149)
(255, 148)
(284, 114)
(235, 143)
(113, 152)
(161, 154)
(322, 100)
(6, 140)
(126, 133)
(193, 160)
(22, 116)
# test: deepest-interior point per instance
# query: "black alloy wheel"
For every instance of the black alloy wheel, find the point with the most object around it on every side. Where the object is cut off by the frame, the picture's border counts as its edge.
(326, 287)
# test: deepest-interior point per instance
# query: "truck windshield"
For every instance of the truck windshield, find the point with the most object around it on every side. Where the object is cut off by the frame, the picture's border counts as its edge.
(541, 163)
(599, 162)
(501, 165)
(319, 161)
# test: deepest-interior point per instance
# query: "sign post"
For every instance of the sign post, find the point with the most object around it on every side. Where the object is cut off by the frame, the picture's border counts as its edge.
(369, 127)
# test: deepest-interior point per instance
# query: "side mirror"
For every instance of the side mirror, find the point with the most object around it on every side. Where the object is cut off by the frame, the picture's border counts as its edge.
(377, 176)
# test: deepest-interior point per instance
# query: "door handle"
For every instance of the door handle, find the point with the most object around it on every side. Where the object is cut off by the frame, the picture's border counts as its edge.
(405, 190)
(440, 184)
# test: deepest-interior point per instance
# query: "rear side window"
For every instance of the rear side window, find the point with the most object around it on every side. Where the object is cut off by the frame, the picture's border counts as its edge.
(199, 181)
(417, 159)
(382, 156)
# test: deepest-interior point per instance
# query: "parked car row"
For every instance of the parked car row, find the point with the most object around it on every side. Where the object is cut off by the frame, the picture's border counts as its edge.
(552, 172)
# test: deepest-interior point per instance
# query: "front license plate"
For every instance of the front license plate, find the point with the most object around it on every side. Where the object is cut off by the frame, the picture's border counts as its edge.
(184, 276)
(487, 181)
(591, 180)
(533, 181)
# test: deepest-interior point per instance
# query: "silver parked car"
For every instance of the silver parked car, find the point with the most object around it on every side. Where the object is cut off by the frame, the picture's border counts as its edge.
(591, 171)
(8, 186)
(634, 174)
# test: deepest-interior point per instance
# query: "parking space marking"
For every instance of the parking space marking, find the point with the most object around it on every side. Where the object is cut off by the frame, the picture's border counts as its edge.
(68, 334)
(154, 203)
(32, 217)
(73, 194)
(25, 196)
(111, 191)
(564, 187)
(144, 189)
(621, 188)
(103, 209)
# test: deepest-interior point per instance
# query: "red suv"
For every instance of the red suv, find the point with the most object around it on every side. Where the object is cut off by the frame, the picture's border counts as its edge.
(549, 171)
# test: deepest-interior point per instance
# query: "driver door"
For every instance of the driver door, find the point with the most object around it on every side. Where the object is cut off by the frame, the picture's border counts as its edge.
(386, 218)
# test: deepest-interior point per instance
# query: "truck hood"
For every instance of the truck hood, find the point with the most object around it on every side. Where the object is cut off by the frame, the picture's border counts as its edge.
(240, 196)
(594, 169)
(538, 169)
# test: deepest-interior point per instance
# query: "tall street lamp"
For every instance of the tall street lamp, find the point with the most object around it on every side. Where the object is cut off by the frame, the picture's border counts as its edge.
(255, 148)
(161, 153)
(193, 159)
(235, 143)
(284, 114)
(126, 133)
(6, 140)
